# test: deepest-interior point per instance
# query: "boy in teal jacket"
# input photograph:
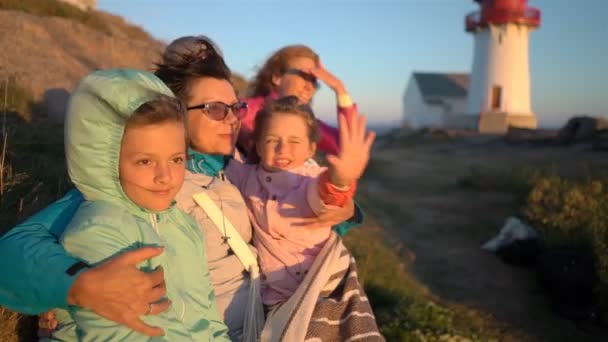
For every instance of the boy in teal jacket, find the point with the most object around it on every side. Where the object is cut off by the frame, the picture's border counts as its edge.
(125, 141)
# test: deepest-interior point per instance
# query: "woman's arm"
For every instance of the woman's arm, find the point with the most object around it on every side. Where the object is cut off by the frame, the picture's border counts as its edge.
(329, 141)
(44, 276)
(39, 268)
(110, 241)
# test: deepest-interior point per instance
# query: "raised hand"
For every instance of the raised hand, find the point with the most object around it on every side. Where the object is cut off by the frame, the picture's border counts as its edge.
(355, 146)
(328, 78)
(117, 290)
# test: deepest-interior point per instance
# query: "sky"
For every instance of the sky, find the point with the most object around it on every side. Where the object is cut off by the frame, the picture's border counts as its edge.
(373, 46)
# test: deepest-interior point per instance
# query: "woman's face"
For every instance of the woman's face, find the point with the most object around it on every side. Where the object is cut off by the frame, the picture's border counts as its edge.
(207, 135)
(297, 81)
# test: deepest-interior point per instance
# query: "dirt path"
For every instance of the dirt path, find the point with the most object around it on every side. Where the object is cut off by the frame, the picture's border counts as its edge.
(415, 190)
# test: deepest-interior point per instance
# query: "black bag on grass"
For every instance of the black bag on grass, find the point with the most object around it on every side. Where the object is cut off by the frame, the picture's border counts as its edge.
(568, 275)
(520, 252)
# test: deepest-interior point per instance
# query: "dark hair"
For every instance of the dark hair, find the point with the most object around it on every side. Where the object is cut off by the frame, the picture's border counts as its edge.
(286, 105)
(161, 109)
(277, 65)
(179, 75)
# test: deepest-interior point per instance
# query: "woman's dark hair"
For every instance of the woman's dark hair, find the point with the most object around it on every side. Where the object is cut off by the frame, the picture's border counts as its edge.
(179, 73)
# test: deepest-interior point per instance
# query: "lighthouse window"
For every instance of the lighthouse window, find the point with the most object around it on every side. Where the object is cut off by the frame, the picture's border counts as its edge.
(496, 97)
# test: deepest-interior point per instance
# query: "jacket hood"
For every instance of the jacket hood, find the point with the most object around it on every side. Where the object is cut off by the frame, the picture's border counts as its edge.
(94, 127)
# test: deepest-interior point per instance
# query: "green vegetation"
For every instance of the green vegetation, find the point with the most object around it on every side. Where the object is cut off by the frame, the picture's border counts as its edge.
(515, 180)
(15, 100)
(33, 166)
(405, 310)
(34, 171)
(567, 211)
(575, 214)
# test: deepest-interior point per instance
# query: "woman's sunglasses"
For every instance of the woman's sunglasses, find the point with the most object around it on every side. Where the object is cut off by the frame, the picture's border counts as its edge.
(219, 110)
(304, 75)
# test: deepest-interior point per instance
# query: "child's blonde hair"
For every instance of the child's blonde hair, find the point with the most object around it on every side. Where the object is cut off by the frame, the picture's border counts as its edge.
(284, 106)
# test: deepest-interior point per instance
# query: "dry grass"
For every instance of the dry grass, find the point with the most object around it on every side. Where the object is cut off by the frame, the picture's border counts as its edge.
(55, 53)
(16, 327)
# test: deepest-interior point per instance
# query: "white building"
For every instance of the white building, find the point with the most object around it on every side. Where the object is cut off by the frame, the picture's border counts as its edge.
(435, 99)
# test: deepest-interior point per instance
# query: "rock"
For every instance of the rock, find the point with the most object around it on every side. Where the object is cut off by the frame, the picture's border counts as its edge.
(600, 140)
(580, 129)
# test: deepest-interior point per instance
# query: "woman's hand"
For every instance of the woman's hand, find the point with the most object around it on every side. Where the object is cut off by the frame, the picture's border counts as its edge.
(118, 291)
(47, 323)
(329, 79)
(355, 145)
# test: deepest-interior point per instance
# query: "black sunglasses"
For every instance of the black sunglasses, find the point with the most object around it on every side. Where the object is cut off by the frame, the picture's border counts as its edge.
(306, 76)
(219, 110)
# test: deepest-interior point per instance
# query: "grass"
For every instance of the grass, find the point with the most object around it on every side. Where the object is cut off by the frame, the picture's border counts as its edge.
(574, 214)
(55, 8)
(17, 102)
(398, 139)
(34, 172)
(16, 328)
(515, 180)
(99, 21)
(405, 309)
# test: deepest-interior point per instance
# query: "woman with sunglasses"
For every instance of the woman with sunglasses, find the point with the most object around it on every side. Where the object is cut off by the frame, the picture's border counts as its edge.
(294, 71)
(43, 276)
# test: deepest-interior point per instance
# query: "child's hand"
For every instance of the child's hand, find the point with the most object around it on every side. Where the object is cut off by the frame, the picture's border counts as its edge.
(47, 324)
(355, 145)
(329, 79)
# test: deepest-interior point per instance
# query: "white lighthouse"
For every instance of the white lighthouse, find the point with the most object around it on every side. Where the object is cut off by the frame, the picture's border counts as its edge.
(499, 90)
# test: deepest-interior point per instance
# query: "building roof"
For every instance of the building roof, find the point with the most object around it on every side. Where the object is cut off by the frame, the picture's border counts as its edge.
(434, 85)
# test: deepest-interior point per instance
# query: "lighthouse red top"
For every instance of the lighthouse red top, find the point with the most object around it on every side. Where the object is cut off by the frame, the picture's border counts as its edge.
(498, 12)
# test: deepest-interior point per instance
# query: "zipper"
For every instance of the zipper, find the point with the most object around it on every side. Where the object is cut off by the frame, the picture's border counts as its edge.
(183, 308)
(221, 175)
(154, 220)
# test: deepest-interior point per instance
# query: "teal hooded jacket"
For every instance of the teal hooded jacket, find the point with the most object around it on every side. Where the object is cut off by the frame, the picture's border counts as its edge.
(108, 223)
(34, 266)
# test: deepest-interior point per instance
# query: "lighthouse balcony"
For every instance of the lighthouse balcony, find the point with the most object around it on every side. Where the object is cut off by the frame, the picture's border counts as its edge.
(529, 17)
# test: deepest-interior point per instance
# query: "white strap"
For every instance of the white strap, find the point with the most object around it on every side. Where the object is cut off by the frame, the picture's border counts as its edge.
(234, 239)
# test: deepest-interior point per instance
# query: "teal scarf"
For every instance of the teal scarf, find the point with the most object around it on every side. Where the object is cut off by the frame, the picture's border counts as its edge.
(206, 164)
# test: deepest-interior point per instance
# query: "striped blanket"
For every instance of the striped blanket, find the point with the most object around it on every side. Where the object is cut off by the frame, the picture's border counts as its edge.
(329, 305)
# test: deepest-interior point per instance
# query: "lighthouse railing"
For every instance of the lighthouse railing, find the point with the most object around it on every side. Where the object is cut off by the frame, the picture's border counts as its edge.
(529, 17)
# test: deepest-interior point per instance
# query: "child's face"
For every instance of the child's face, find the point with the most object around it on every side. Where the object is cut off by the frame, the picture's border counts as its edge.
(153, 163)
(284, 144)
